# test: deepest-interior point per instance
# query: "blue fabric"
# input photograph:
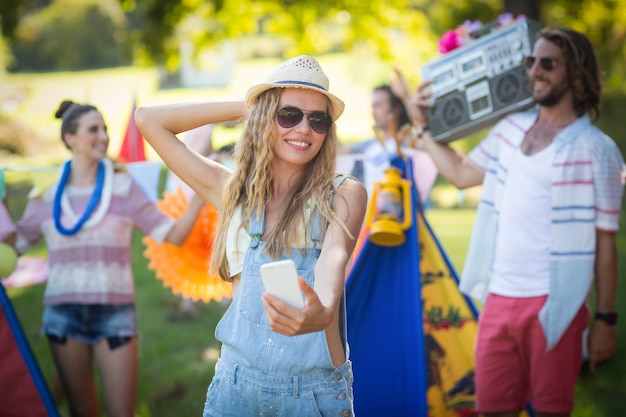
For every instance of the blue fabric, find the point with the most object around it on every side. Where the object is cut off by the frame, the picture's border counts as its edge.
(385, 331)
(385, 328)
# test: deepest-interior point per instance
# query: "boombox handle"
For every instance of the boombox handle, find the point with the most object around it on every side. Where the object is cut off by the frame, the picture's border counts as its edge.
(485, 29)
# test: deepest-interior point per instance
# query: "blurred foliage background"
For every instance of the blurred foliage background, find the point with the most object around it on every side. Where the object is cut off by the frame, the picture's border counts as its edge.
(123, 46)
(40, 36)
(45, 35)
(110, 52)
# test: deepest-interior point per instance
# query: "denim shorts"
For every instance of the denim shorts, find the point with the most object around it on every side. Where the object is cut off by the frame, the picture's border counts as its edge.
(238, 391)
(88, 323)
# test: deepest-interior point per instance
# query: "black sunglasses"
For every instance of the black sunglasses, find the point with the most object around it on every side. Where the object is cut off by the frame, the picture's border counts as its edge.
(547, 63)
(291, 116)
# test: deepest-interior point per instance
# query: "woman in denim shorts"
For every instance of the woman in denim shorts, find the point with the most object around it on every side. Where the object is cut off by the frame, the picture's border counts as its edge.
(87, 219)
(282, 200)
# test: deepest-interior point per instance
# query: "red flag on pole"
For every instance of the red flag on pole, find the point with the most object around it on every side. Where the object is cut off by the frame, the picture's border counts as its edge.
(132, 148)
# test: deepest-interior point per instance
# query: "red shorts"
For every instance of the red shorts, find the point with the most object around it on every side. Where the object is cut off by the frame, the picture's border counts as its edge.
(512, 365)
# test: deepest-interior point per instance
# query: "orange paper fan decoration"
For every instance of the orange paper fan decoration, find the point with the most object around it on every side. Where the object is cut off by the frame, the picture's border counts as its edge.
(184, 268)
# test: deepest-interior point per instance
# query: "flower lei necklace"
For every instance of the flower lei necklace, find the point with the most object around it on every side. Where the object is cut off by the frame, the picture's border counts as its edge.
(101, 194)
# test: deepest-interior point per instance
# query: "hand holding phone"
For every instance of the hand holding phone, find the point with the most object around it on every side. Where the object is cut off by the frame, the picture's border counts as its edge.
(280, 279)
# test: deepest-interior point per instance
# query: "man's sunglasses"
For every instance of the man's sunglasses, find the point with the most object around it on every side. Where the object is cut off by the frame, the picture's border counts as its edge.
(547, 63)
(291, 116)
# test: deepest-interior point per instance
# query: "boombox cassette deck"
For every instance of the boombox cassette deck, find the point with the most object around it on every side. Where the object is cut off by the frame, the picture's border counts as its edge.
(481, 81)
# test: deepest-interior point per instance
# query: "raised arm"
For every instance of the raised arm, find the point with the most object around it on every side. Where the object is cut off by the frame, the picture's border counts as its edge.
(185, 223)
(350, 203)
(159, 125)
(451, 164)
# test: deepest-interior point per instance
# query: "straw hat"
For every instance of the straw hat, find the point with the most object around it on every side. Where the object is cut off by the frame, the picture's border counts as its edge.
(300, 72)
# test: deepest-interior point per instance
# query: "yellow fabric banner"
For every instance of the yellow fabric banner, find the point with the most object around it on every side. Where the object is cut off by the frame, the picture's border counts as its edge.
(450, 325)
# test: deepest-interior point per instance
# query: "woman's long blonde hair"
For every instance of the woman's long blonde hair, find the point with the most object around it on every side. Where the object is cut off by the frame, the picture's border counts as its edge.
(251, 183)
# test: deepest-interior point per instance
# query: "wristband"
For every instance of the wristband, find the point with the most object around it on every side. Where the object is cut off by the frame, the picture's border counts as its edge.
(608, 318)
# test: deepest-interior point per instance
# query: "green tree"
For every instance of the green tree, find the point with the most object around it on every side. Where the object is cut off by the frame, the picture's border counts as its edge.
(604, 22)
(72, 34)
(529, 8)
(152, 23)
(310, 25)
(12, 11)
(10, 16)
(398, 30)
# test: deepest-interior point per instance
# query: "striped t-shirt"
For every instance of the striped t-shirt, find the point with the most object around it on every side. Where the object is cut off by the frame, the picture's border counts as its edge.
(94, 265)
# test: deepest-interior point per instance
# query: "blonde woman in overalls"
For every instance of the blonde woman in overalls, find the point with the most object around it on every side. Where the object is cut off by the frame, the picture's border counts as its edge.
(282, 201)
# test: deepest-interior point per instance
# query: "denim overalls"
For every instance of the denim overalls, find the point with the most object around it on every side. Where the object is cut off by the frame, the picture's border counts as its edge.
(263, 373)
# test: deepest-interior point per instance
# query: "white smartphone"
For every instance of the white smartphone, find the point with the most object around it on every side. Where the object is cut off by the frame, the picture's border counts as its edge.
(280, 279)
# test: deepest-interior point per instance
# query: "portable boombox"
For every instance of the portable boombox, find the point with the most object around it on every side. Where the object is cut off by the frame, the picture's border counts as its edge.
(480, 81)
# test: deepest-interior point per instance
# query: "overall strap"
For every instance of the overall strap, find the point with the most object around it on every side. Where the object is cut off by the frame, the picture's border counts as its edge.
(317, 229)
(255, 229)
(339, 179)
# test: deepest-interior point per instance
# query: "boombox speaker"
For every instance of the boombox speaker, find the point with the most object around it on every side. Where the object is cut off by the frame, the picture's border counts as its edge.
(480, 82)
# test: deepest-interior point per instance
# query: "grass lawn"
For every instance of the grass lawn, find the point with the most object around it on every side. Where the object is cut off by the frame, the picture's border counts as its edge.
(178, 351)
